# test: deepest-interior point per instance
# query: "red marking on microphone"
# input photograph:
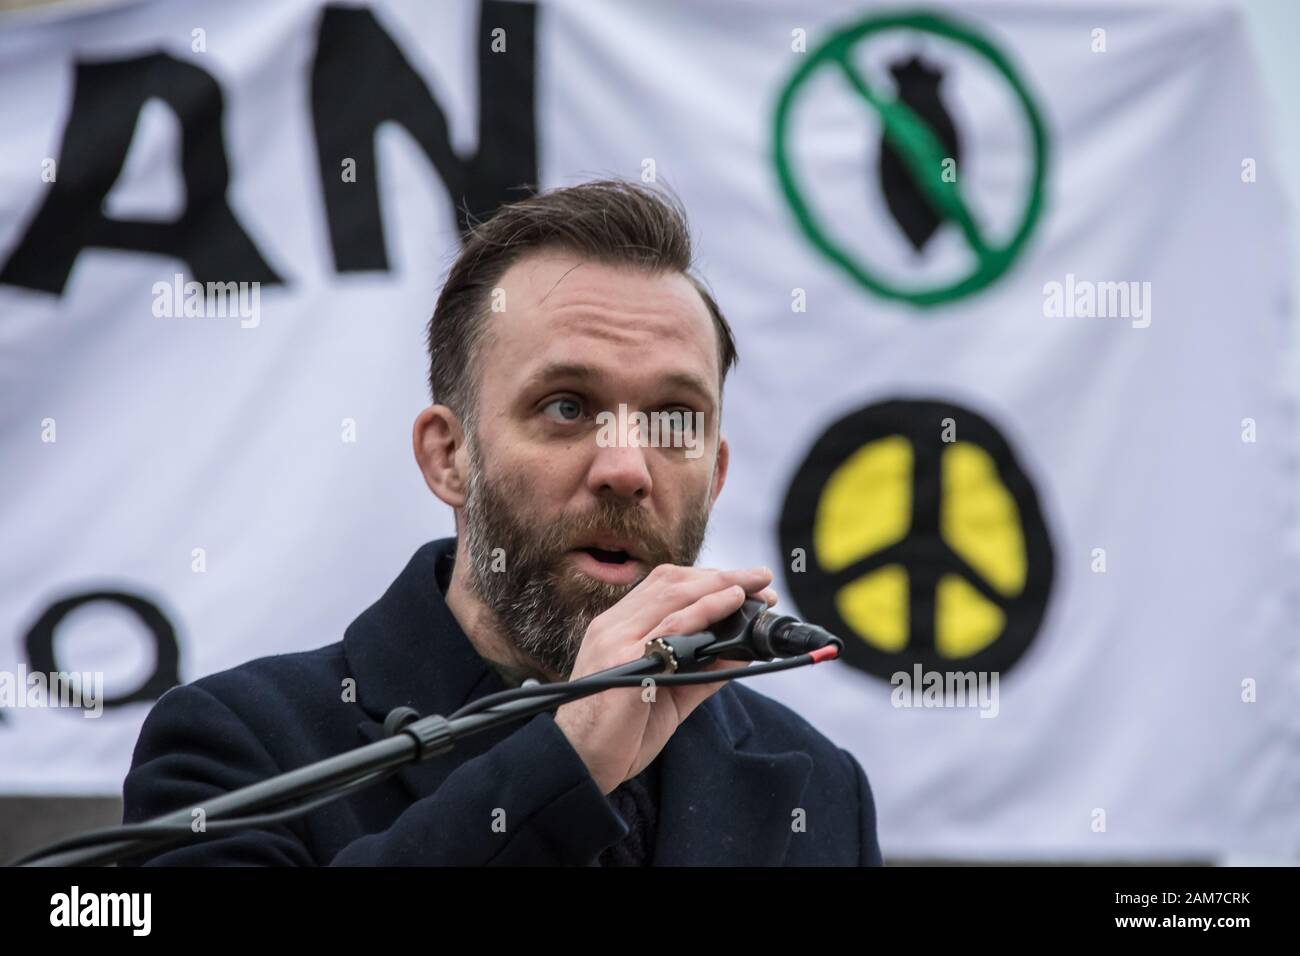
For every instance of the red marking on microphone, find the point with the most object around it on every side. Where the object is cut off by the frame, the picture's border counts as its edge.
(827, 653)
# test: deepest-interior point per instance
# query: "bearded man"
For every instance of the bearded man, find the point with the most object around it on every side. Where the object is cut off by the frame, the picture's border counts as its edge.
(571, 552)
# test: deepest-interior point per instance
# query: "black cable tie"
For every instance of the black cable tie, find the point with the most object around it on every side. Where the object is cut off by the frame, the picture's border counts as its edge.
(432, 734)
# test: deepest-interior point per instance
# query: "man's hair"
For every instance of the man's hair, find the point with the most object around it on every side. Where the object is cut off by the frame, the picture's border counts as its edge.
(608, 221)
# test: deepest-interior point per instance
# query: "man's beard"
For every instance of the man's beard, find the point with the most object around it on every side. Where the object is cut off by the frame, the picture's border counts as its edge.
(522, 572)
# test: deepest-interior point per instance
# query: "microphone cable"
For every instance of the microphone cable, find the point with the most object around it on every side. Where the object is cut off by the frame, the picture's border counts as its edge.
(595, 683)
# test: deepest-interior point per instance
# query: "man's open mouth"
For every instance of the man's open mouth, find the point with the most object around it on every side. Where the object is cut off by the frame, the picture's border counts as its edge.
(607, 556)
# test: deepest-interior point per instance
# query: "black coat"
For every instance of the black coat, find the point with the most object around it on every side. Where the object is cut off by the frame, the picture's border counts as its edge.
(733, 774)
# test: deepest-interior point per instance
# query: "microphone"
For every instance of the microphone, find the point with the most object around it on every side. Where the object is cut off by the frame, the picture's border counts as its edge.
(752, 633)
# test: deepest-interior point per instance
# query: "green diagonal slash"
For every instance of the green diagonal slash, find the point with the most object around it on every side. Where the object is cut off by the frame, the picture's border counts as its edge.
(922, 153)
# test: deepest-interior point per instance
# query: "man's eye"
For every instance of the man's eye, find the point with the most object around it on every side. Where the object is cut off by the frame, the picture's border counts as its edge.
(678, 419)
(564, 409)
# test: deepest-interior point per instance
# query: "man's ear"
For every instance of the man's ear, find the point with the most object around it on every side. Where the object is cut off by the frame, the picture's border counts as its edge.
(439, 443)
(720, 469)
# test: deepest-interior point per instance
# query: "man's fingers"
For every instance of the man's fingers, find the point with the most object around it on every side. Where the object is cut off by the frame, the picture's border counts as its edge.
(690, 620)
(708, 609)
(669, 589)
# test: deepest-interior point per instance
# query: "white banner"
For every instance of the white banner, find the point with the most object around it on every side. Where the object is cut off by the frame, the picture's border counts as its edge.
(1009, 284)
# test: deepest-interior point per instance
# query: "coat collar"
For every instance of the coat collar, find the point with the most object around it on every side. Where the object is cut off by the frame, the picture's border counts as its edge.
(721, 802)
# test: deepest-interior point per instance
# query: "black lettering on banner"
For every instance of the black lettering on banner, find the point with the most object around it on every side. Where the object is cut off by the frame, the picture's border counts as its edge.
(361, 79)
(166, 672)
(106, 104)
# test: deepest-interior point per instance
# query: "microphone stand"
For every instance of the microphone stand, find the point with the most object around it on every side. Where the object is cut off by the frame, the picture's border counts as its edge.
(411, 739)
(748, 634)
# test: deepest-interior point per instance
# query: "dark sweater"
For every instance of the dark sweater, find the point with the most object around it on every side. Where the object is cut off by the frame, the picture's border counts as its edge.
(637, 802)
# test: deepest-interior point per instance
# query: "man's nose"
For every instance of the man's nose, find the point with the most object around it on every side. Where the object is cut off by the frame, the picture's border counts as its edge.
(620, 471)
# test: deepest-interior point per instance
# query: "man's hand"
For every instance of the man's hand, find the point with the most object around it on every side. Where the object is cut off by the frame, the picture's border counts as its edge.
(616, 732)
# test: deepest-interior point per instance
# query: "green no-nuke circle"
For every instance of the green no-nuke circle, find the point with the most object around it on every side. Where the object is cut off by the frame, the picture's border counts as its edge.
(922, 153)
